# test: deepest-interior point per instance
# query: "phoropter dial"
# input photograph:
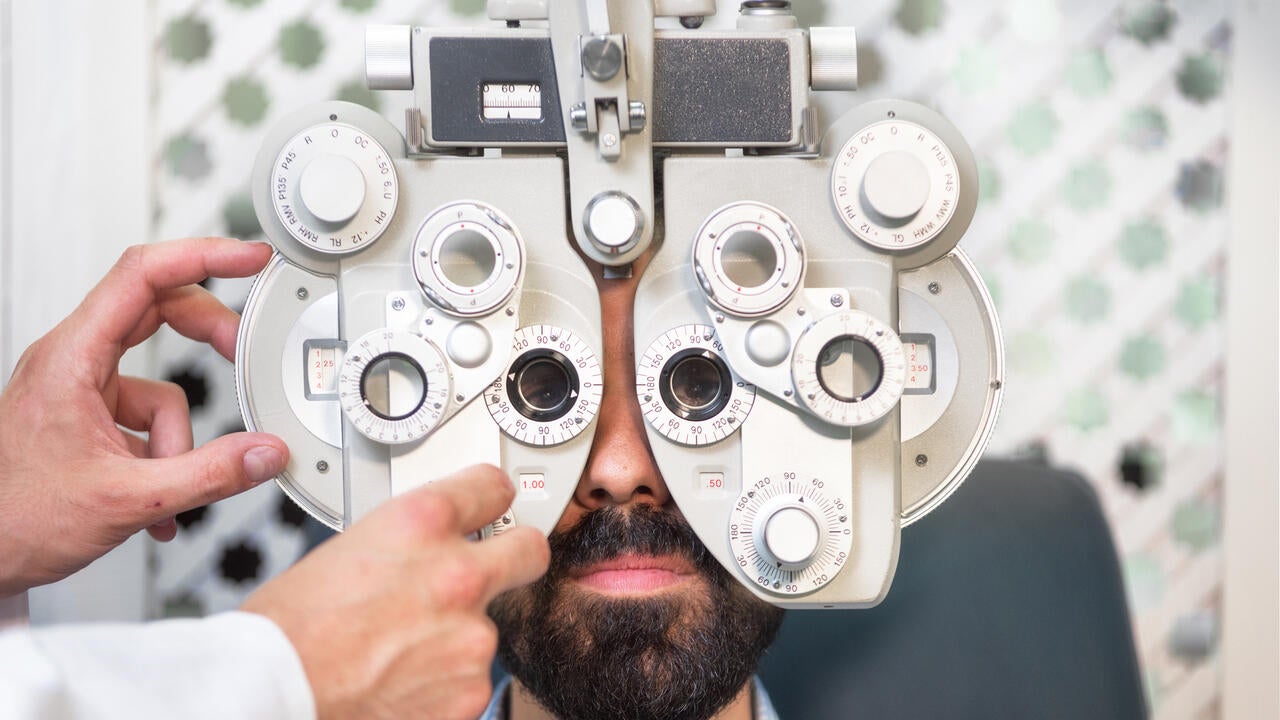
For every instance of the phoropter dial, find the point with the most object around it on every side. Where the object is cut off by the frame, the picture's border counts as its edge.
(895, 185)
(748, 258)
(849, 368)
(686, 389)
(334, 188)
(497, 527)
(788, 536)
(468, 258)
(551, 390)
(393, 386)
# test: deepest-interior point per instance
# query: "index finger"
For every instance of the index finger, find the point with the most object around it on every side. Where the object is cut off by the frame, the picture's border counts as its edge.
(516, 557)
(111, 311)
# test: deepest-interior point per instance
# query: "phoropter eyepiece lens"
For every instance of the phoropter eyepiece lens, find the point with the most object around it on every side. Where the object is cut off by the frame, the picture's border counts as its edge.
(393, 386)
(695, 384)
(542, 385)
(850, 369)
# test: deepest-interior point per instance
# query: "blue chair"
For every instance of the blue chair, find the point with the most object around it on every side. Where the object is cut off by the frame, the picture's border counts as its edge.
(1008, 603)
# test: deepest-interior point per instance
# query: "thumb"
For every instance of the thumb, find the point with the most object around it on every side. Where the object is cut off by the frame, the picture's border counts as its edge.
(216, 470)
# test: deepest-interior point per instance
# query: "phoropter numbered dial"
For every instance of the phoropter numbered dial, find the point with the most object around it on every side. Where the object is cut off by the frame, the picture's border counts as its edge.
(334, 188)
(895, 184)
(849, 368)
(551, 390)
(393, 386)
(686, 389)
(788, 536)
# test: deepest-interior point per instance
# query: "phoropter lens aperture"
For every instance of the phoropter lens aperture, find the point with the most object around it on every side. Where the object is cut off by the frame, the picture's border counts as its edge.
(695, 384)
(393, 386)
(850, 369)
(467, 258)
(542, 385)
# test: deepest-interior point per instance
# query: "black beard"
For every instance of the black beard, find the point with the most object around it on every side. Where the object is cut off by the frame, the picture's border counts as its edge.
(675, 656)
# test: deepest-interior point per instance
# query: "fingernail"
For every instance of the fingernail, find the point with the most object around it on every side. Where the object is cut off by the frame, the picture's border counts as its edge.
(262, 464)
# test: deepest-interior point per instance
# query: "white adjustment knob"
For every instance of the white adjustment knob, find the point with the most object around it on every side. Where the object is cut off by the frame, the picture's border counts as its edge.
(613, 222)
(833, 58)
(792, 536)
(516, 10)
(332, 189)
(684, 8)
(788, 535)
(896, 185)
(388, 57)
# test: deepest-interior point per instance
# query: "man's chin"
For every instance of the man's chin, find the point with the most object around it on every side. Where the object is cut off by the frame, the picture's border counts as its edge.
(634, 621)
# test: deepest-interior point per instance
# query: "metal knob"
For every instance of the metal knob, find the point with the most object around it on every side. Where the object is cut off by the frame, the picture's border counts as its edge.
(388, 57)
(833, 58)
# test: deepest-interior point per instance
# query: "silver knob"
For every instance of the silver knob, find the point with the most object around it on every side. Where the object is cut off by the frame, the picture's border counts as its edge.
(613, 222)
(833, 58)
(602, 58)
(388, 57)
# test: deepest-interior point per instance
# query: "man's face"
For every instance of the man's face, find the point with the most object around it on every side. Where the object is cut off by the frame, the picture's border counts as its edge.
(635, 619)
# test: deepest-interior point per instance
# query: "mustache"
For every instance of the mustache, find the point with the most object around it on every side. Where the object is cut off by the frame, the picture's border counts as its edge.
(610, 532)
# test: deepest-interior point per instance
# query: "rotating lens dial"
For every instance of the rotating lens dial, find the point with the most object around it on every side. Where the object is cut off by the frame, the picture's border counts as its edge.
(788, 536)
(748, 258)
(551, 390)
(334, 188)
(895, 185)
(393, 386)
(686, 389)
(849, 368)
(497, 527)
(468, 258)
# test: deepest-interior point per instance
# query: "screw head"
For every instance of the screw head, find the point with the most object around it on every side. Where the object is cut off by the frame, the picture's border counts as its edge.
(302, 293)
(922, 460)
(322, 466)
(935, 288)
(836, 301)
(397, 304)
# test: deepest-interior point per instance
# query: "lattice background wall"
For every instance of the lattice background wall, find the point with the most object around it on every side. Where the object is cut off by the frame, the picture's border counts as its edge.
(1100, 127)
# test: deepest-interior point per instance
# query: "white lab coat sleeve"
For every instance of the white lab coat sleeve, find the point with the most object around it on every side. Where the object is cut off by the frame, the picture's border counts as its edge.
(232, 665)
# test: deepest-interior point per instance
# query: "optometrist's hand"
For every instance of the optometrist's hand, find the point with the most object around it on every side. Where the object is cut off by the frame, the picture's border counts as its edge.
(389, 618)
(73, 485)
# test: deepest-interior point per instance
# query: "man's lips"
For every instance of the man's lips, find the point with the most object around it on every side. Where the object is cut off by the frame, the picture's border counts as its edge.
(634, 574)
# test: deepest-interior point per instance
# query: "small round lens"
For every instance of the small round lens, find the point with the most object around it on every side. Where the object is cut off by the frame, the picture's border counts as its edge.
(850, 369)
(749, 259)
(466, 258)
(393, 386)
(542, 385)
(696, 384)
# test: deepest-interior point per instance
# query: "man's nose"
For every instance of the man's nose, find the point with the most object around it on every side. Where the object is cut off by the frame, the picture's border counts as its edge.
(621, 469)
